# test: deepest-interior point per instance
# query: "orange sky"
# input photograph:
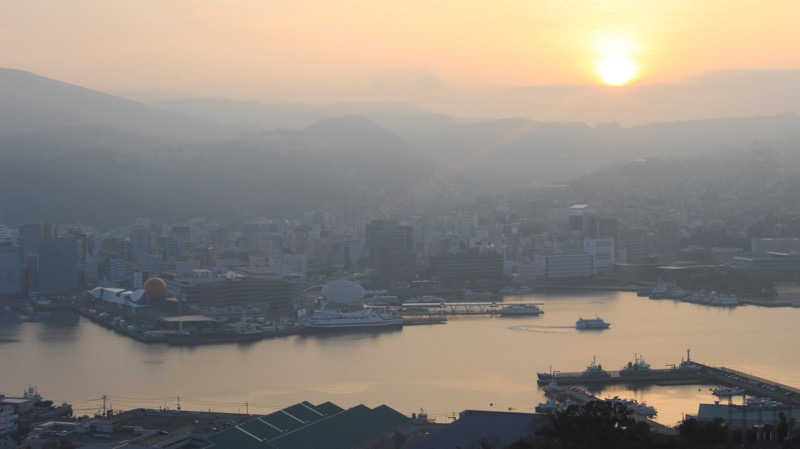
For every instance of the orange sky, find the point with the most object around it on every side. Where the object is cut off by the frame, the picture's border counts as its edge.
(350, 49)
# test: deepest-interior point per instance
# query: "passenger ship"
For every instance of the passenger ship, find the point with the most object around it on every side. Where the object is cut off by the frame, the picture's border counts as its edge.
(330, 320)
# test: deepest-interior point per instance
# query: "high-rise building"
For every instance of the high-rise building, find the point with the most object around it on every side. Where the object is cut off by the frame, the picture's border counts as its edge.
(391, 251)
(58, 266)
(568, 265)
(181, 238)
(468, 268)
(31, 236)
(10, 269)
(141, 244)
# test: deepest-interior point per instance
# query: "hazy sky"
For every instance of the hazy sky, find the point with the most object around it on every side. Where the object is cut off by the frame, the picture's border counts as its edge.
(356, 49)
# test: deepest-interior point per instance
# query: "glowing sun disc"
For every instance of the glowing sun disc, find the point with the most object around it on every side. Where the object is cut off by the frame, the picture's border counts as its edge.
(615, 61)
(616, 70)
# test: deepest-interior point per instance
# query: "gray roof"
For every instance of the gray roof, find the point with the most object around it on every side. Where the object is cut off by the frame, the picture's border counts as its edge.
(303, 425)
(500, 429)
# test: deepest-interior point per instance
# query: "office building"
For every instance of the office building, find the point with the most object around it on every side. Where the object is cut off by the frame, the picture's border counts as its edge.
(59, 267)
(603, 253)
(201, 287)
(10, 269)
(141, 245)
(31, 236)
(391, 251)
(468, 268)
(568, 265)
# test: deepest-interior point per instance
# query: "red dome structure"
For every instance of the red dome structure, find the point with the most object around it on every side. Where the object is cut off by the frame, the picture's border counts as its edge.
(156, 288)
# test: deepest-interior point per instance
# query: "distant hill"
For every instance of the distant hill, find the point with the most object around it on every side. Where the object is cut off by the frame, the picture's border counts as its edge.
(499, 154)
(29, 102)
(70, 153)
(104, 175)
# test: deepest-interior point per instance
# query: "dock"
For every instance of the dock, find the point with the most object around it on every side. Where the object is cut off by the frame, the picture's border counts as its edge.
(688, 373)
(456, 308)
(654, 377)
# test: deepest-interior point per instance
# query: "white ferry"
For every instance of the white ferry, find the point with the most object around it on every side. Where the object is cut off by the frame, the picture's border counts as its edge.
(590, 324)
(322, 320)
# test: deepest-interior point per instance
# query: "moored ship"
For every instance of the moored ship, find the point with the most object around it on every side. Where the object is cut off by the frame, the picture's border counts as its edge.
(329, 320)
(636, 368)
(595, 370)
(521, 310)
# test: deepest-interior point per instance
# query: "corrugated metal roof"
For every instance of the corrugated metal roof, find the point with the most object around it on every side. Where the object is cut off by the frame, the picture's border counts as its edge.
(303, 425)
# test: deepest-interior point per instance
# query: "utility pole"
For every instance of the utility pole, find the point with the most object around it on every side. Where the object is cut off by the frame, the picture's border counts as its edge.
(178, 405)
(104, 404)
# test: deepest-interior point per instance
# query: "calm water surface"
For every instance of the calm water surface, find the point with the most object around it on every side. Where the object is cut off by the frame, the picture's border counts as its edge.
(472, 362)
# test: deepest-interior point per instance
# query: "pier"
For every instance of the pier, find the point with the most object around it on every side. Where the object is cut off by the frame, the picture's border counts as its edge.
(688, 373)
(455, 308)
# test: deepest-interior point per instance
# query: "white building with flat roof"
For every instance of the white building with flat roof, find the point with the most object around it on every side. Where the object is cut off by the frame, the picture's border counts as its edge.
(602, 251)
(569, 265)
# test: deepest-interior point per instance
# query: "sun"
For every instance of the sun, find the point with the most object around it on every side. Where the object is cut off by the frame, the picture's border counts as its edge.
(615, 61)
(616, 70)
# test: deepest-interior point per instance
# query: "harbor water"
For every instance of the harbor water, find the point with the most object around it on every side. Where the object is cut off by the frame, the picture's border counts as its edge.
(476, 362)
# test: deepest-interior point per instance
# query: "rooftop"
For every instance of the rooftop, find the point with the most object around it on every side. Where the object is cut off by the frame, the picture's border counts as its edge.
(303, 425)
(477, 427)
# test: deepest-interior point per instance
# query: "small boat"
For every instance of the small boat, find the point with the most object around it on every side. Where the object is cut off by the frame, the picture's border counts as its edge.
(640, 408)
(724, 300)
(591, 324)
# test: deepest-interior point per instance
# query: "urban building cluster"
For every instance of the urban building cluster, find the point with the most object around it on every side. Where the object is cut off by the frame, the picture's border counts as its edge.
(541, 239)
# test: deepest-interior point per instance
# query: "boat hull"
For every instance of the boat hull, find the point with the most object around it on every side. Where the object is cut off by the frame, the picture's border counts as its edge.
(360, 327)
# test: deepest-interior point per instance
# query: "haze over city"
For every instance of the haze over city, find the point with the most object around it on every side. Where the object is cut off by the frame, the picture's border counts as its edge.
(399, 225)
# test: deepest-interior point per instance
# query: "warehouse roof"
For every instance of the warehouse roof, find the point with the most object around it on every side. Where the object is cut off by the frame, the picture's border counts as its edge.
(303, 425)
